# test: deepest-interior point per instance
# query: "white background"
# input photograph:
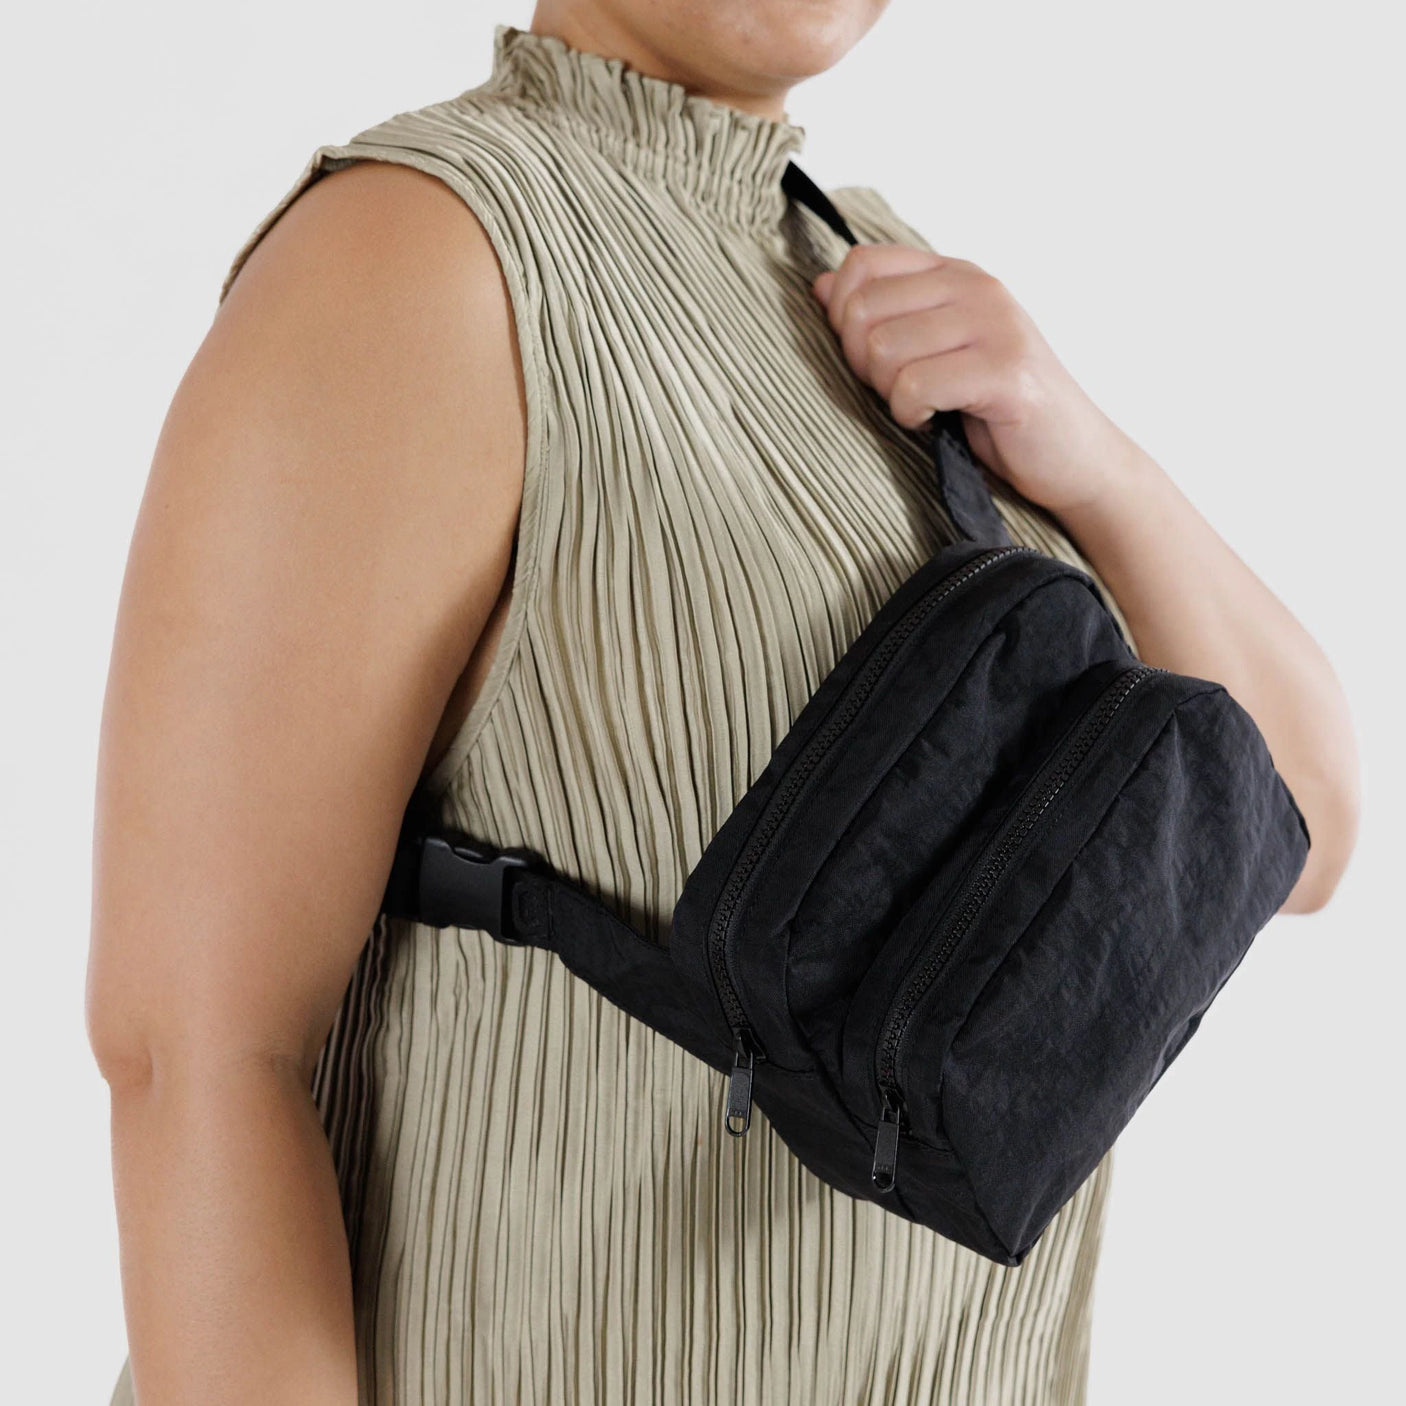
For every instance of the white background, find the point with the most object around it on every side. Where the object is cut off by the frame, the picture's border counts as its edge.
(1200, 205)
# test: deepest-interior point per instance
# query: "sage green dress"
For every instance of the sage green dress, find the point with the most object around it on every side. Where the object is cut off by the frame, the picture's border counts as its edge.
(541, 1202)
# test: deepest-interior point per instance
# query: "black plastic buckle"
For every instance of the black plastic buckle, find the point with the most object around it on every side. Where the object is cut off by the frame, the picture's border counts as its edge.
(464, 883)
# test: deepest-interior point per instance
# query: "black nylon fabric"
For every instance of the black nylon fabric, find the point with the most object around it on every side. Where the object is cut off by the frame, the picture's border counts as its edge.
(977, 902)
(1119, 911)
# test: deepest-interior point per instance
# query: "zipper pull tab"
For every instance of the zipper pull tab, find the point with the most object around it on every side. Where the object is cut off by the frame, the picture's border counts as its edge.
(738, 1116)
(886, 1145)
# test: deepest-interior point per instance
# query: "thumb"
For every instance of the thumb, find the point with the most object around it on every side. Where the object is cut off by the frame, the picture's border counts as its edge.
(983, 445)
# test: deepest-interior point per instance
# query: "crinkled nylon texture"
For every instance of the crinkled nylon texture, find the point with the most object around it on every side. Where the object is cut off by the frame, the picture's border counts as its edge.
(1115, 962)
(541, 1203)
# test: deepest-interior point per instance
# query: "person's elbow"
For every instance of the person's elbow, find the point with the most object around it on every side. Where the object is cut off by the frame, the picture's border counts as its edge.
(123, 1056)
(142, 1045)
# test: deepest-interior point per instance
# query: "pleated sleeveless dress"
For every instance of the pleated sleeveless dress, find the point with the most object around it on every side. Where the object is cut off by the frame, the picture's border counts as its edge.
(541, 1202)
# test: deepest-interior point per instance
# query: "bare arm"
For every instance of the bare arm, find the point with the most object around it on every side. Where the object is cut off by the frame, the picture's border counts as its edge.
(930, 332)
(1194, 607)
(326, 527)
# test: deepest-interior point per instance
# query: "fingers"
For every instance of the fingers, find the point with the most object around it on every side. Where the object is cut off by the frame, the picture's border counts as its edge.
(926, 331)
(881, 283)
(953, 380)
(864, 262)
(878, 346)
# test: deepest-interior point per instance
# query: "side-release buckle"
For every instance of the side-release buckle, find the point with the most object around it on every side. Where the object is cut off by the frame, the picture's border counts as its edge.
(467, 884)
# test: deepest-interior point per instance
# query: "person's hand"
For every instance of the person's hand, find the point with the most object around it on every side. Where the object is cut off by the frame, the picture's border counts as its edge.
(935, 333)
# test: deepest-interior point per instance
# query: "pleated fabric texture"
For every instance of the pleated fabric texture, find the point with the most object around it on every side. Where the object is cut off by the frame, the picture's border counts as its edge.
(541, 1202)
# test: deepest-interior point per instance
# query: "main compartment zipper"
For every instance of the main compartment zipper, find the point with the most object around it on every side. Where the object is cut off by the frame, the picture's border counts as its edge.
(1040, 795)
(747, 1049)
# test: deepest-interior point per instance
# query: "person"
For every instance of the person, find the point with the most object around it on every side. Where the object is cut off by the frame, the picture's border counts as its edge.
(541, 458)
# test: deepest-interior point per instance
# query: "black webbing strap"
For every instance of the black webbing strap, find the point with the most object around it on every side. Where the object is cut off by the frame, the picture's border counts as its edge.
(445, 878)
(964, 493)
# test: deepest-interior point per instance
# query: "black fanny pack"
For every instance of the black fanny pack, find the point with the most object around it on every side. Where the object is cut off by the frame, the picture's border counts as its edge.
(970, 911)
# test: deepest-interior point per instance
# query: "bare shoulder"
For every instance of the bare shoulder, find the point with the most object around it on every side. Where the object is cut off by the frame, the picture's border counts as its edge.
(326, 525)
(395, 216)
(374, 270)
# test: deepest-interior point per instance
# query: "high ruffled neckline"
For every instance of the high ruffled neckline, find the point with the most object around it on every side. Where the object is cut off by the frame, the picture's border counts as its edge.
(712, 155)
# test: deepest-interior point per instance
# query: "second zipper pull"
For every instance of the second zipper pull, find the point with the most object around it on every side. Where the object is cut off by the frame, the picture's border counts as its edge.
(886, 1145)
(738, 1116)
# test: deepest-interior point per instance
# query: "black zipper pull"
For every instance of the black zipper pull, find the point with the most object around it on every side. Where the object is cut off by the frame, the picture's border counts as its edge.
(738, 1116)
(886, 1145)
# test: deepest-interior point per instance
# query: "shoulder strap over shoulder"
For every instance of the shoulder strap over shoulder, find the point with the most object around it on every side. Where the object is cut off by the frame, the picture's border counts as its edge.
(964, 493)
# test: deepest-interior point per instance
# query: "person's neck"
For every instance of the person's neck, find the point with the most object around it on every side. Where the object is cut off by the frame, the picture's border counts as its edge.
(600, 34)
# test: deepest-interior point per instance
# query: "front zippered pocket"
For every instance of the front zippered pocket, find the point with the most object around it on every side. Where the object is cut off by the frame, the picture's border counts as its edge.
(747, 1048)
(938, 945)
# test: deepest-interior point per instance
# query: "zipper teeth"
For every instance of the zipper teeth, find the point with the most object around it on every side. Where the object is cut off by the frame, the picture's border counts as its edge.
(990, 872)
(860, 689)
